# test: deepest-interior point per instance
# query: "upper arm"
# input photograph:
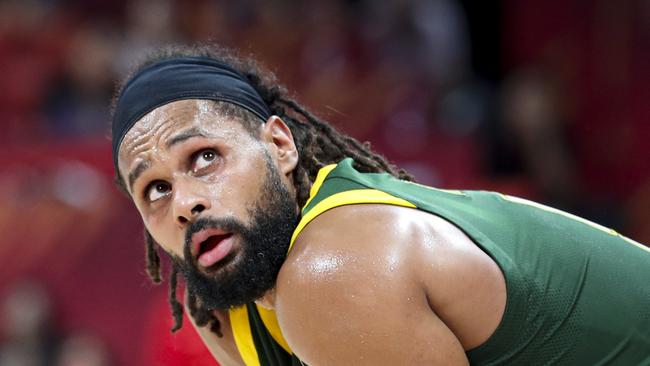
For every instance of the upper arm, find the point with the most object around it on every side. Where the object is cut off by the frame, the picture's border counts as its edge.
(350, 297)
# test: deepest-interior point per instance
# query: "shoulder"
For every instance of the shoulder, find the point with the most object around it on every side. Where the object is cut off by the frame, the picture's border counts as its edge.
(363, 243)
(390, 240)
(353, 287)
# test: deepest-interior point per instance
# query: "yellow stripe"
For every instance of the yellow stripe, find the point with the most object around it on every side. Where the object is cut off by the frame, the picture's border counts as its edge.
(450, 191)
(241, 330)
(355, 196)
(239, 321)
(526, 202)
(604, 229)
(320, 178)
(239, 316)
(271, 323)
(635, 243)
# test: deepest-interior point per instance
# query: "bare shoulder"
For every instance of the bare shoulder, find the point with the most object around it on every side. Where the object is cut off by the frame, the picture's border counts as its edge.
(368, 281)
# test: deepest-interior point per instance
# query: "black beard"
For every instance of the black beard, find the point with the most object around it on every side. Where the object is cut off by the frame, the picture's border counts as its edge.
(248, 273)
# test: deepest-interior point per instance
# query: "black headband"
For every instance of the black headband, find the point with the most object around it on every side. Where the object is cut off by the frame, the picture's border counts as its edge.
(181, 78)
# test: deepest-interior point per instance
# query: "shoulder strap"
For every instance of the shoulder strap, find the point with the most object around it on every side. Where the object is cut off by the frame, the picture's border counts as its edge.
(255, 343)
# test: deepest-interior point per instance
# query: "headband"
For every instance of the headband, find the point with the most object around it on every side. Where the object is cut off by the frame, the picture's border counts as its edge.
(181, 78)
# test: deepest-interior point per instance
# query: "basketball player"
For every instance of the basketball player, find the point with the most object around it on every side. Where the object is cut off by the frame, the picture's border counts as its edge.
(299, 245)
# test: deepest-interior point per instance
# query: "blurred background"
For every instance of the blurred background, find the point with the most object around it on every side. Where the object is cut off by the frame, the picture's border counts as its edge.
(542, 99)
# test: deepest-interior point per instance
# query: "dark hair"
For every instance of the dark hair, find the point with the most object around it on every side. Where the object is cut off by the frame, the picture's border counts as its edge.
(318, 144)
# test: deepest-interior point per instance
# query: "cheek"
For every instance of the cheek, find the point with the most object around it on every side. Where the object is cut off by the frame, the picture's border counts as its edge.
(164, 234)
(239, 191)
(231, 190)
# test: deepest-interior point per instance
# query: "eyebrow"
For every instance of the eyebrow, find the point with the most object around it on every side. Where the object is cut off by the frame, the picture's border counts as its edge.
(137, 172)
(185, 135)
(144, 165)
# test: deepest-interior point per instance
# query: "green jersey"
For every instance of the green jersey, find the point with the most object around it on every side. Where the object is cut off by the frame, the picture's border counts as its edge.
(577, 293)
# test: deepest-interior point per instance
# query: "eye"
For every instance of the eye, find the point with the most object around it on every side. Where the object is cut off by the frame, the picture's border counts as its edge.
(158, 190)
(204, 158)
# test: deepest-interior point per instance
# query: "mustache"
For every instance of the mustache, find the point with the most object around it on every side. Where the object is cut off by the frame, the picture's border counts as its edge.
(228, 224)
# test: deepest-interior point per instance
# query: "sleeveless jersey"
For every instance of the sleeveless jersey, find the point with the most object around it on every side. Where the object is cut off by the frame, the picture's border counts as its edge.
(577, 293)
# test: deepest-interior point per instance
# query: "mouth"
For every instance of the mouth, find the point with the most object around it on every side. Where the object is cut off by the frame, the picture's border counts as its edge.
(210, 247)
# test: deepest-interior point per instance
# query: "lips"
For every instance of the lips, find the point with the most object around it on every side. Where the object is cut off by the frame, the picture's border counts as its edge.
(210, 246)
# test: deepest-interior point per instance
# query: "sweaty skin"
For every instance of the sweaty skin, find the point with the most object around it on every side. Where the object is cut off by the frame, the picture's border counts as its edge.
(363, 284)
(401, 287)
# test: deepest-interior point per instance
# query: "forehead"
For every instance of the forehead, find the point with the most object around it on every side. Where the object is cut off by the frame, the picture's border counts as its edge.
(153, 131)
(176, 116)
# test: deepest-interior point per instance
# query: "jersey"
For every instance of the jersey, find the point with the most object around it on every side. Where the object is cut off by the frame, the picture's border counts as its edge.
(577, 293)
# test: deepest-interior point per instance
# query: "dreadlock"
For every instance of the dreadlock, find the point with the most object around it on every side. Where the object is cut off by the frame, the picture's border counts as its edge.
(317, 142)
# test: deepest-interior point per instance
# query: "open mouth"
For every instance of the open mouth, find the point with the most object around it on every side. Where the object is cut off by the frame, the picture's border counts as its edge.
(214, 249)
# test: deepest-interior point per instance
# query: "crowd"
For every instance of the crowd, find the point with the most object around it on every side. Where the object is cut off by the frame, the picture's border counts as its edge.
(32, 337)
(545, 100)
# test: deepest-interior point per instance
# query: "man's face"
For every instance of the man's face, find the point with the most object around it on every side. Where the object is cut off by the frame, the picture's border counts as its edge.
(213, 196)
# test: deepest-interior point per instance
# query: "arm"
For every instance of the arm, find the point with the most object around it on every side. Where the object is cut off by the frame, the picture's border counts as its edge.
(350, 294)
(224, 349)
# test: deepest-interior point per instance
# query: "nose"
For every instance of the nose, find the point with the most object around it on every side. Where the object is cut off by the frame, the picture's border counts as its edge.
(188, 203)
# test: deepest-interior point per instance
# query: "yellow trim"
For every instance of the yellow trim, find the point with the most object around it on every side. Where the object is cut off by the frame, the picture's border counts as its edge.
(604, 229)
(355, 196)
(241, 330)
(271, 323)
(526, 202)
(635, 243)
(450, 191)
(239, 316)
(318, 182)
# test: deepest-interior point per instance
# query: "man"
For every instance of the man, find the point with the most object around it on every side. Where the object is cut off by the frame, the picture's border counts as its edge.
(299, 245)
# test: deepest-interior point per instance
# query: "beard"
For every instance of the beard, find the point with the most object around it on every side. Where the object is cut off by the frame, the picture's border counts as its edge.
(246, 274)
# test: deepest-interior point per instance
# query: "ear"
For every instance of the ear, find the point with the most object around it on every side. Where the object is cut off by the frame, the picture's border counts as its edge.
(277, 135)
